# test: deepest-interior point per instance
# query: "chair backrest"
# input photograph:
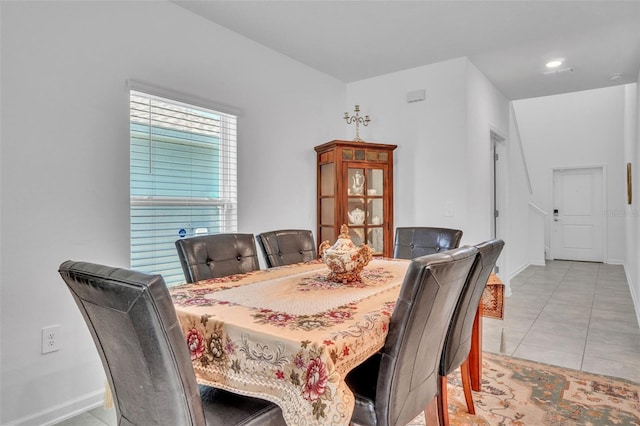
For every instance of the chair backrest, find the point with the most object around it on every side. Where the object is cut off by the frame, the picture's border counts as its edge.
(288, 246)
(134, 326)
(214, 256)
(408, 375)
(412, 242)
(458, 341)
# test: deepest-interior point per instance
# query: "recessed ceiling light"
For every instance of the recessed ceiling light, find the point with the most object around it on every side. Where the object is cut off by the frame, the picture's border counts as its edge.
(615, 76)
(554, 64)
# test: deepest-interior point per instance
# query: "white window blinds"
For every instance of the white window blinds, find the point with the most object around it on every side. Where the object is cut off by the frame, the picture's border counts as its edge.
(183, 179)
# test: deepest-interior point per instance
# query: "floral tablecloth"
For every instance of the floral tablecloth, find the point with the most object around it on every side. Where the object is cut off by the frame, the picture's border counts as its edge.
(288, 334)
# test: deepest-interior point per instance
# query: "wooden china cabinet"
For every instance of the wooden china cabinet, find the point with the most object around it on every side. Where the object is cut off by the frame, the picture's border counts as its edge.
(355, 188)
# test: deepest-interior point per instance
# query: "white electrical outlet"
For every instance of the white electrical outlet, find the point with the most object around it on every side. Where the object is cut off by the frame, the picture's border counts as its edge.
(50, 339)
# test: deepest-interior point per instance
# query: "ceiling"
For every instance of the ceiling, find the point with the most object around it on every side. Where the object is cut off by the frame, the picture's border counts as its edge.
(508, 41)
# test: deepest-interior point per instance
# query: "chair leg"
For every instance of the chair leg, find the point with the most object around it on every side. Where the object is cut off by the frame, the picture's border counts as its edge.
(466, 385)
(431, 415)
(475, 354)
(443, 404)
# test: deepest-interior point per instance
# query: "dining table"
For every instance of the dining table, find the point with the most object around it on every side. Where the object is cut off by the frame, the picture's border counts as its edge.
(289, 334)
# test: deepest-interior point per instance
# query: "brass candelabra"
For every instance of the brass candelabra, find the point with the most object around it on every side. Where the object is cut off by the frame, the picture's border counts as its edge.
(358, 120)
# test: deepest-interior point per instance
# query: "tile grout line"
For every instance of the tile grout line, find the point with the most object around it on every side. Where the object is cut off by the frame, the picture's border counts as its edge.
(593, 301)
(540, 312)
(101, 420)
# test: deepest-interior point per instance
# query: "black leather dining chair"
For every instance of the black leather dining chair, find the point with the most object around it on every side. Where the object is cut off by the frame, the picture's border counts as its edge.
(287, 246)
(144, 353)
(458, 341)
(416, 241)
(219, 255)
(398, 383)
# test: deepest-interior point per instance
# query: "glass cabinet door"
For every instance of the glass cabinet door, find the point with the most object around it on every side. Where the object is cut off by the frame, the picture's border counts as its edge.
(356, 205)
(327, 202)
(375, 209)
(365, 207)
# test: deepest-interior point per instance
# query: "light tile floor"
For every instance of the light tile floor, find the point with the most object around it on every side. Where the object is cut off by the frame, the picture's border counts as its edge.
(573, 314)
(578, 315)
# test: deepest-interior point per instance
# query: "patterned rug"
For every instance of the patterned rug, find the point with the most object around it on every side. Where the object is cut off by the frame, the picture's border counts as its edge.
(520, 392)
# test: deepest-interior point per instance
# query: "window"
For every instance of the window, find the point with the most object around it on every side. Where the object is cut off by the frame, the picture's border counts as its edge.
(182, 179)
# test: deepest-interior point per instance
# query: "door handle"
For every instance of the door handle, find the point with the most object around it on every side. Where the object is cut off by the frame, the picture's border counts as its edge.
(555, 215)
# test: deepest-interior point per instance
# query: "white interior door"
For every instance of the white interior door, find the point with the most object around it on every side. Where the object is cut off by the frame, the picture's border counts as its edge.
(578, 231)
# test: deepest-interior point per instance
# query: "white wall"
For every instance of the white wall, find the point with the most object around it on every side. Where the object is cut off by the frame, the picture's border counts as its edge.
(444, 147)
(487, 111)
(632, 212)
(518, 199)
(65, 149)
(431, 138)
(442, 156)
(574, 130)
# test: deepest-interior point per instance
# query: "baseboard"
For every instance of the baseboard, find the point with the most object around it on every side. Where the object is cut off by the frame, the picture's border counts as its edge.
(507, 282)
(518, 270)
(614, 262)
(635, 297)
(61, 412)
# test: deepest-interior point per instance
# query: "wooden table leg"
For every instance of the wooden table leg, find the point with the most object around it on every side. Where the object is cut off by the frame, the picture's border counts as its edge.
(475, 355)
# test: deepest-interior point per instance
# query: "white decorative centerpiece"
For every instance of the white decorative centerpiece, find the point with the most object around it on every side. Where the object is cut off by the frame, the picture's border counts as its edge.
(344, 259)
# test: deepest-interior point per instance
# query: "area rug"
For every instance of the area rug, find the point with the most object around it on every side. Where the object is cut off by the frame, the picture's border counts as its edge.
(520, 392)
